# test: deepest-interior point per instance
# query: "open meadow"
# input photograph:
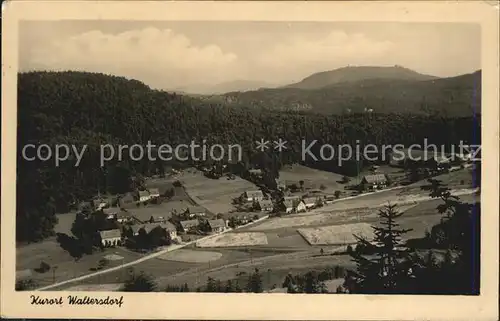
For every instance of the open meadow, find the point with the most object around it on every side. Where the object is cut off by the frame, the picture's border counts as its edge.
(329, 180)
(62, 265)
(216, 195)
(336, 234)
(234, 240)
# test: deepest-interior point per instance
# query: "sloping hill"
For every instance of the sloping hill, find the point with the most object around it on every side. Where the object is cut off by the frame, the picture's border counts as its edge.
(354, 74)
(456, 96)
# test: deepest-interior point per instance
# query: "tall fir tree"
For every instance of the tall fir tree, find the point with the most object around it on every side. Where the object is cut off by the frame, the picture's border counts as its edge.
(384, 272)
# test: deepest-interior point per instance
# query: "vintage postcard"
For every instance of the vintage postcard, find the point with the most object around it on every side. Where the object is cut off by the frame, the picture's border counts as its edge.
(250, 160)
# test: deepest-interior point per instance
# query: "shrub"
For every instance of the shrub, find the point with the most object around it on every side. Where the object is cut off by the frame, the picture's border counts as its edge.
(44, 267)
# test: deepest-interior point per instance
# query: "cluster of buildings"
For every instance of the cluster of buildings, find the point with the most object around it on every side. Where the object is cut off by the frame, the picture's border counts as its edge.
(129, 219)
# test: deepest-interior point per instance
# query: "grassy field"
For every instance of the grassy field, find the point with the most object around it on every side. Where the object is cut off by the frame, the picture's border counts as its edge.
(191, 256)
(214, 194)
(63, 266)
(273, 269)
(64, 223)
(329, 180)
(168, 271)
(336, 234)
(234, 239)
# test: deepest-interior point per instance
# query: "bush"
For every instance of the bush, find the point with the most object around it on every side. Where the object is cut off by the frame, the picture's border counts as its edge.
(26, 285)
(337, 194)
(44, 267)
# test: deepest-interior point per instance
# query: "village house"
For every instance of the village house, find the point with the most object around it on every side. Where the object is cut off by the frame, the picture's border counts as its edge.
(171, 230)
(154, 193)
(189, 225)
(166, 229)
(111, 212)
(126, 201)
(143, 196)
(376, 181)
(124, 217)
(300, 207)
(195, 211)
(310, 202)
(251, 196)
(110, 237)
(288, 206)
(151, 214)
(256, 172)
(265, 205)
(217, 226)
(99, 203)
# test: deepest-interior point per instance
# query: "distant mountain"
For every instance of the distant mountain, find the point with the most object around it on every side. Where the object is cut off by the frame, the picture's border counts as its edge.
(354, 74)
(238, 85)
(454, 96)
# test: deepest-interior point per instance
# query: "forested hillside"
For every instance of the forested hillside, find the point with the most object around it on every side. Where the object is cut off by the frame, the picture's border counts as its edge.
(94, 109)
(456, 96)
(355, 73)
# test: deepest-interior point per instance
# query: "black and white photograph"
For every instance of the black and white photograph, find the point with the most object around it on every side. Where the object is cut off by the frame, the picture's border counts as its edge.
(281, 158)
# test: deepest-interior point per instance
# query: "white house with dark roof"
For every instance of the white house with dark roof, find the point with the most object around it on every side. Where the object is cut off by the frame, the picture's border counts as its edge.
(253, 195)
(289, 206)
(310, 202)
(374, 181)
(217, 226)
(170, 229)
(111, 237)
(189, 225)
(154, 192)
(111, 212)
(196, 211)
(265, 205)
(300, 206)
(143, 196)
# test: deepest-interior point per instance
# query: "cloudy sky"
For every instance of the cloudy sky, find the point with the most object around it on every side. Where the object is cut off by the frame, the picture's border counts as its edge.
(179, 54)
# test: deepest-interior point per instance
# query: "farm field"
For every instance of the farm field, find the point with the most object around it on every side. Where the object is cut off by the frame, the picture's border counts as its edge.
(162, 269)
(234, 239)
(49, 251)
(216, 195)
(320, 217)
(336, 234)
(299, 172)
(273, 269)
(191, 256)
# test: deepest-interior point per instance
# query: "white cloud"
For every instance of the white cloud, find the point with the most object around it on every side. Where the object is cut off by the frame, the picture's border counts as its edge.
(160, 58)
(301, 53)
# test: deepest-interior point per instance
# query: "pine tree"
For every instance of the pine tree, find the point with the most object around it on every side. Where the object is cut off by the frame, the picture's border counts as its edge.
(255, 282)
(211, 285)
(139, 283)
(385, 271)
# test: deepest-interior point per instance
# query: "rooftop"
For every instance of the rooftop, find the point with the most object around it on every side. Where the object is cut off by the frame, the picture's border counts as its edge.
(109, 234)
(216, 223)
(375, 178)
